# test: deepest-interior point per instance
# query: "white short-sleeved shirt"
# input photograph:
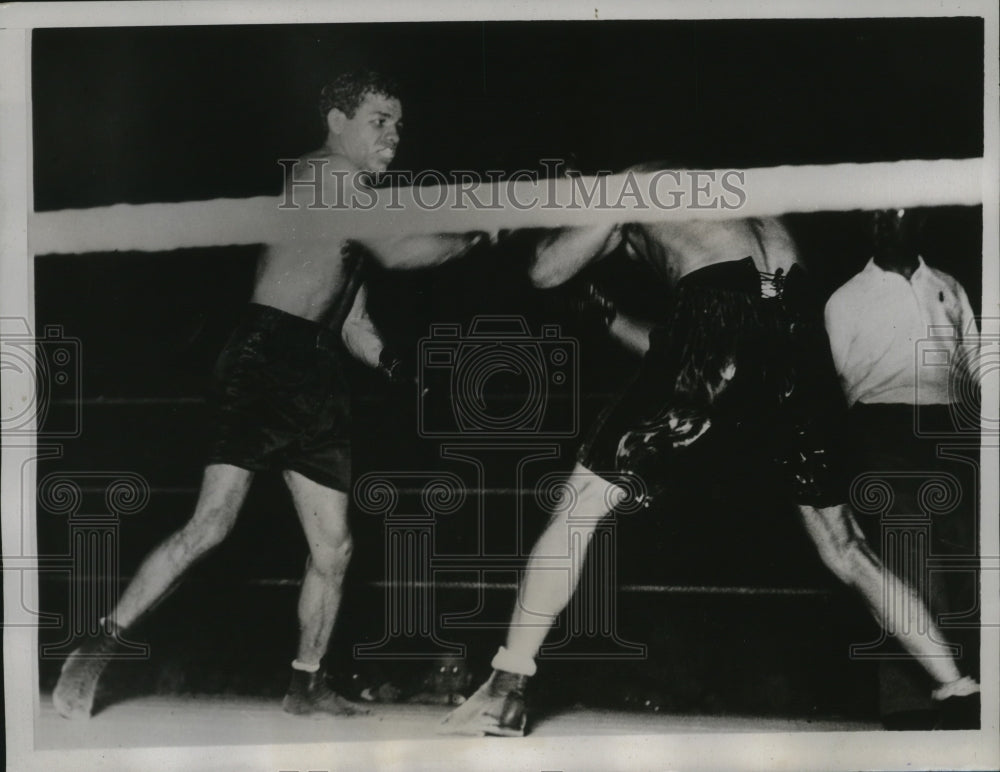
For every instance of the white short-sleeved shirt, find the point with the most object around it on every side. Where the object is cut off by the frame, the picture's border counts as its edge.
(898, 341)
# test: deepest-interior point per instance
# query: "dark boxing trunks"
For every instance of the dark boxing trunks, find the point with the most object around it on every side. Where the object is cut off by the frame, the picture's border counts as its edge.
(765, 332)
(280, 399)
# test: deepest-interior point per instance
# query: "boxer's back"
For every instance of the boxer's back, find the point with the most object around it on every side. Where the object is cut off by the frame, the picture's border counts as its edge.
(677, 249)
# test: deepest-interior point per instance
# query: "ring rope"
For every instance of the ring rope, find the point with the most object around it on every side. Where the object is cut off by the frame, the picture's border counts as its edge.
(769, 191)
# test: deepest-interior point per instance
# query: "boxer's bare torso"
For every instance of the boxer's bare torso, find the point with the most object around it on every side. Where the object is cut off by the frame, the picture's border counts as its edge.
(305, 279)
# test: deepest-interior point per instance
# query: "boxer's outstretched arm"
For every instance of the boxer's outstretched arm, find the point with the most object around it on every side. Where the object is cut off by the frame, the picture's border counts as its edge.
(422, 251)
(563, 253)
(342, 182)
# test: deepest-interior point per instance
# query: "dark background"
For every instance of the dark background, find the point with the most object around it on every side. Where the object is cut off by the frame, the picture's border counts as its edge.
(174, 114)
(168, 114)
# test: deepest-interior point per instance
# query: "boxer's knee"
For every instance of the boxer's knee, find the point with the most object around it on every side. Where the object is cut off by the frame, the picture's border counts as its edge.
(585, 498)
(600, 496)
(330, 560)
(206, 530)
(223, 491)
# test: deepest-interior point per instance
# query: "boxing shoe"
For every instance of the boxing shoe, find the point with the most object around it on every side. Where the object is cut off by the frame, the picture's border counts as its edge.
(497, 708)
(73, 696)
(958, 704)
(308, 694)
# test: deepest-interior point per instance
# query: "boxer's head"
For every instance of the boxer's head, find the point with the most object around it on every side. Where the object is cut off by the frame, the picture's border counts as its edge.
(896, 236)
(363, 115)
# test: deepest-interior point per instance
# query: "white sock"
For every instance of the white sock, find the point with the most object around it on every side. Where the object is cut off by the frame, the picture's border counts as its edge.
(512, 662)
(297, 665)
(963, 687)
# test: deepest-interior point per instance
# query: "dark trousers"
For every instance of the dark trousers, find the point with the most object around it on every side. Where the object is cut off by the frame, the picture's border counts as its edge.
(915, 492)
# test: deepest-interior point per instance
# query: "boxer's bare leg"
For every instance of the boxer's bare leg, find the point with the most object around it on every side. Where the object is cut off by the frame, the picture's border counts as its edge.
(223, 490)
(844, 550)
(549, 582)
(323, 514)
(553, 570)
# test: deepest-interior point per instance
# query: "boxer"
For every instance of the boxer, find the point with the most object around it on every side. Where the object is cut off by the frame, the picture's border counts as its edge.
(741, 343)
(281, 403)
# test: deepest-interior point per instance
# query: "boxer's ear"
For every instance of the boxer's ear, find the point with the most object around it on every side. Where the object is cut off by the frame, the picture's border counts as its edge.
(335, 120)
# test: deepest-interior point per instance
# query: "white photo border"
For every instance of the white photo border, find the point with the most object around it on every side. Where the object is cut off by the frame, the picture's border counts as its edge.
(811, 750)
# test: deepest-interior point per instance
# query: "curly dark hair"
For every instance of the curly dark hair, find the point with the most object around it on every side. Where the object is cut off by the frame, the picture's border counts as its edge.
(347, 91)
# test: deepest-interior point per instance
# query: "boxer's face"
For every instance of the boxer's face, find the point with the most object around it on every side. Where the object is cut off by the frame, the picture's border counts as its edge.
(370, 137)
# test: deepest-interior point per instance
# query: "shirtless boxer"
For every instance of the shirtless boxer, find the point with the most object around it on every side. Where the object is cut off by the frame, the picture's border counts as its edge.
(740, 342)
(281, 403)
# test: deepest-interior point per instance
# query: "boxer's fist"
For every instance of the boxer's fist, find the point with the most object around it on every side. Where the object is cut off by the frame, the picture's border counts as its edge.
(595, 310)
(393, 367)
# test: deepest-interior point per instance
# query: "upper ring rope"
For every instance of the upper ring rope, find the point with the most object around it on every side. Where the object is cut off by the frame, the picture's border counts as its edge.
(522, 204)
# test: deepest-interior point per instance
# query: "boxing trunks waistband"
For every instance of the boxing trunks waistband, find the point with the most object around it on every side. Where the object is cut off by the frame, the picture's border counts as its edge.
(741, 276)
